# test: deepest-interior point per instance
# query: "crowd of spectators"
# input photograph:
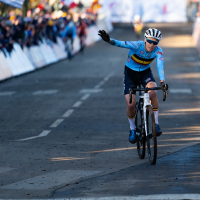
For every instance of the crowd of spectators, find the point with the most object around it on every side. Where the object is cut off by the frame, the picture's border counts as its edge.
(33, 31)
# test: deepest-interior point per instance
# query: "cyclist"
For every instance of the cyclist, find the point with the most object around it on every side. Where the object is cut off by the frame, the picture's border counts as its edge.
(138, 26)
(137, 69)
(68, 34)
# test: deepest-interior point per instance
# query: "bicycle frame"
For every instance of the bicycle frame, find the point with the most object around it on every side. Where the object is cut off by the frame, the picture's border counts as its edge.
(146, 103)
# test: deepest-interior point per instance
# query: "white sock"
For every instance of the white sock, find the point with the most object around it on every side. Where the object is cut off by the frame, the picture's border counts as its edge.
(132, 123)
(155, 110)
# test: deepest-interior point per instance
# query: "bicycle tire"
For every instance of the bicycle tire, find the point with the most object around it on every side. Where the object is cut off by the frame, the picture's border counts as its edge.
(151, 135)
(139, 123)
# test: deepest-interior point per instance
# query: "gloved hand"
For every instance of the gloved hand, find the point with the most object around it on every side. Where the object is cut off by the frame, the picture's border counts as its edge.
(104, 35)
(164, 86)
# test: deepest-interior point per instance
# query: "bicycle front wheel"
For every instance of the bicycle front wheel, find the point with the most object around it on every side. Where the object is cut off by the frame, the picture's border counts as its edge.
(151, 135)
(139, 128)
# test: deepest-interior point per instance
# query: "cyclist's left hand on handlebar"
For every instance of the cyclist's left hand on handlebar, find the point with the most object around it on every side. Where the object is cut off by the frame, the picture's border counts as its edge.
(164, 86)
(104, 35)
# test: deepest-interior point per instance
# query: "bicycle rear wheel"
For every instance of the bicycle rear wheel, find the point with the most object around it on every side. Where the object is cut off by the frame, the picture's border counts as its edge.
(151, 135)
(139, 121)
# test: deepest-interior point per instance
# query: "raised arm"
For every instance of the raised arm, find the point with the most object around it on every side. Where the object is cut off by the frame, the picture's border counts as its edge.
(122, 44)
(160, 65)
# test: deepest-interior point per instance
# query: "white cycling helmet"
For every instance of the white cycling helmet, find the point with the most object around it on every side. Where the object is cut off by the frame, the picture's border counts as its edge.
(153, 33)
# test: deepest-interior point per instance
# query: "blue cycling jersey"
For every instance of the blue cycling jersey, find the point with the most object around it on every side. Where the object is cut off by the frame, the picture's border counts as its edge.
(139, 59)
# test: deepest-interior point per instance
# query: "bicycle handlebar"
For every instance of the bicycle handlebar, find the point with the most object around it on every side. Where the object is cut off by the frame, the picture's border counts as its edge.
(146, 90)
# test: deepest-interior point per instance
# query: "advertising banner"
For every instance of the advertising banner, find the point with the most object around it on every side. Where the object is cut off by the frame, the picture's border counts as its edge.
(14, 3)
(164, 11)
(120, 11)
(149, 10)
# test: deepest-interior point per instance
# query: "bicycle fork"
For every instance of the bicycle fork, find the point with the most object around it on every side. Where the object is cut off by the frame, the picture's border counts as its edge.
(146, 103)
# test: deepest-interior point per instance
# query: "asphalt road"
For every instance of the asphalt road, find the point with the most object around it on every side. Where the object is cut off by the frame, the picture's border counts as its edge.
(64, 130)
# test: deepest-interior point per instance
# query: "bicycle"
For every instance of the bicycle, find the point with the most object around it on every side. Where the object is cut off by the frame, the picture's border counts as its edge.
(145, 123)
(69, 48)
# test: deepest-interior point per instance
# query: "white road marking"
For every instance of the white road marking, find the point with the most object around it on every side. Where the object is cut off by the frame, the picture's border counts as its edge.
(43, 92)
(56, 123)
(91, 90)
(187, 91)
(67, 158)
(6, 169)
(99, 85)
(68, 113)
(104, 81)
(7, 93)
(49, 180)
(107, 78)
(43, 134)
(77, 104)
(85, 97)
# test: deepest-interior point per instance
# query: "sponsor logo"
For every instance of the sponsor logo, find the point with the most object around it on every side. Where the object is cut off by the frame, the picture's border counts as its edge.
(142, 52)
(159, 52)
(128, 59)
(161, 58)
(126, 43)
(147, 80)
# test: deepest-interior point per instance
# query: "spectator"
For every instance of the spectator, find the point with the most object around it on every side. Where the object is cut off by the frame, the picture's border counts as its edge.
(32, 31)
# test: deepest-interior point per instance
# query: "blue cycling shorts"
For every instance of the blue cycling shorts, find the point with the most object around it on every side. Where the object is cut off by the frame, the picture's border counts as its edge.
(135, 78)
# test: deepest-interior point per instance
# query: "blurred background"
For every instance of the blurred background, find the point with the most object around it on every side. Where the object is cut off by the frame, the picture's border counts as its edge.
(65, 27)
(66, 120)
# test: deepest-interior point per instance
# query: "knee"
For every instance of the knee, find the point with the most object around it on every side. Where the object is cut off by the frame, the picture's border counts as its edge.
(153, 94)
(131, 106)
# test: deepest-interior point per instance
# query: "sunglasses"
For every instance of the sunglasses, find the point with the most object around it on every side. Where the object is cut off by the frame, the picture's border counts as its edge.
(151, 41)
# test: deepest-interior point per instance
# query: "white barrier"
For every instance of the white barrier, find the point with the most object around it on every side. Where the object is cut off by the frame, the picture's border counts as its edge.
(4, 68)
(36, 57)
(12, 65)
(60, 53)
(76, 44)
(94, 34)
(89, 38)
(25, 64)
(26, 60)
(47, 52)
